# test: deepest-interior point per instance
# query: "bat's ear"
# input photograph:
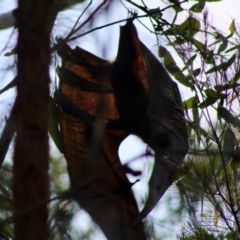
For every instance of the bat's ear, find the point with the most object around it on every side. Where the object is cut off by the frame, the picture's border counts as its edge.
(128, 42)
(64, 50)
(131, 56)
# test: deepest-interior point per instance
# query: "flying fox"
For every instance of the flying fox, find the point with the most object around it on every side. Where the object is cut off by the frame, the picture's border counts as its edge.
(100, 104)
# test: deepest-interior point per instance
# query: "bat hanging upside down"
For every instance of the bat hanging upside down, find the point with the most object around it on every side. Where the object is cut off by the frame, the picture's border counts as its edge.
(101, 103)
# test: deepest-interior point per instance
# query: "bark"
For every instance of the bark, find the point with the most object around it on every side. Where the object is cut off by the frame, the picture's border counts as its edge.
(31, 112)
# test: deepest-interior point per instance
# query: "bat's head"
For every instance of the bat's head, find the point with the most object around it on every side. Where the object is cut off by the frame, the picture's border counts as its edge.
(170, 150)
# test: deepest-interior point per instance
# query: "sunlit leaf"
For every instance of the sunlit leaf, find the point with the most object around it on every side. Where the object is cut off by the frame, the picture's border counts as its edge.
(232, 27)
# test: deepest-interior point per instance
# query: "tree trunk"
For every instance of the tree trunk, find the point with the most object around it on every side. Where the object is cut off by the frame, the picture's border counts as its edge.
(31, 112)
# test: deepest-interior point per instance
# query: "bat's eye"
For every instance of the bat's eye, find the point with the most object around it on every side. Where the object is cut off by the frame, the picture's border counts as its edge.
(162, 141)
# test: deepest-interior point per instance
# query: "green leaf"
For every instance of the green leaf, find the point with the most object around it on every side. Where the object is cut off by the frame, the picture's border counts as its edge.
(53, 126)
(232, 27)
(172, 67)
(156, 12)
(177, 6)
(5, 202)
(212, 97)
(12, 52)
(223, 66)
(208, 56)
(198, 7)
(213, 94)
(198, 129)
(190, 103)
(228, 144)
(187, 81)
(196, 72)
(227, 64)
(235, 77)
(189, 130)
(228, 117)
(8, 86)
(187, 29)
(203, 132)
(232, 49)
(5, 229)
(223, 46)
(189, 62)
(200, 46)
(207, 102)
(196, 117)
(226, 86)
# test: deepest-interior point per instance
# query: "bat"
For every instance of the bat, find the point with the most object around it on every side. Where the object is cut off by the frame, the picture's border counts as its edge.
(98, 179)
(101, 103)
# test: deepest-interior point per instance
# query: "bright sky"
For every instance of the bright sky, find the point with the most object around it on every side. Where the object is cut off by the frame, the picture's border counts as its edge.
(104, 43)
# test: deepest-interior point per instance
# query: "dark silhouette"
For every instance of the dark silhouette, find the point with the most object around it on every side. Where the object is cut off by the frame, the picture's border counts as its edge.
(101, 103)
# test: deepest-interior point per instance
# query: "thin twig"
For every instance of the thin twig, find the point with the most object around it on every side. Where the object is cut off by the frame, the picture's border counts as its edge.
(86, 21)
(103, 26)
(73, 28)
(70, 193)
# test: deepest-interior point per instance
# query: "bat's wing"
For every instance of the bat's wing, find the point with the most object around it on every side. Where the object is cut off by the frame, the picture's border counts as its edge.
(98, 179)
(154, 112)
(169, 136)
